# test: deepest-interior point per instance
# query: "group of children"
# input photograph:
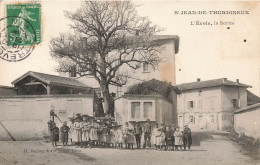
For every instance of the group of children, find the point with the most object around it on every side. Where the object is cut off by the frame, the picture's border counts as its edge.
(85, 131)
(171, 138)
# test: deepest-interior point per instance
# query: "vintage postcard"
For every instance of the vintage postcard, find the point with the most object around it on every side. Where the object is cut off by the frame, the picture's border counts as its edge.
(129, 82)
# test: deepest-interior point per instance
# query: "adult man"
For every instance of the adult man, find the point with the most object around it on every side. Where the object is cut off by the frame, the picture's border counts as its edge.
(147, 133)
(138, 133)
(187, 140)
(64, 133)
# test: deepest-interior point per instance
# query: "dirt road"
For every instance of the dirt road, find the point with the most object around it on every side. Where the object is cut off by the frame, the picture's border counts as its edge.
(213, 149)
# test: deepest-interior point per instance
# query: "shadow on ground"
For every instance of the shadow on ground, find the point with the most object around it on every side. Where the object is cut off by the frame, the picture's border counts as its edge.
(197, 137)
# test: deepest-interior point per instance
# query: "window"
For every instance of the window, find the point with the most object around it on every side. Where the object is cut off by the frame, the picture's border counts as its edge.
(192, 119)
(148, 109)
(62, 113)
(235, 103)
(190, 104)
(135, 110)
(145, 67)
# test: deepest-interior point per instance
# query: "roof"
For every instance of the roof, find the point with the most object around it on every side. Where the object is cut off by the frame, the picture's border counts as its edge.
(248, 108)
(252, 98)
(168, 37)
(152, 87)
(164, 38)
(209, 83)
(52, 79)
(152, 38)
(6, 87)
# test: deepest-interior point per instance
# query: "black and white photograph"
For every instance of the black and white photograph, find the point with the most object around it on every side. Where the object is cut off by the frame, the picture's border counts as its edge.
(90, 82)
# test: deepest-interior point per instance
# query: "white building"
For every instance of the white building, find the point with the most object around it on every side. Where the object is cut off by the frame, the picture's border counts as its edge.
(210, 104)
(164, 72)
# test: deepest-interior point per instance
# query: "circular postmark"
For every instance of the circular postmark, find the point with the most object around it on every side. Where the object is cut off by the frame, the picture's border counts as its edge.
(17, 40)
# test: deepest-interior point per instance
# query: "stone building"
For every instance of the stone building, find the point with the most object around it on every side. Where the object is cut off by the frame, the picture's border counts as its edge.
(164, 72)
(210, 104)
(153, 99)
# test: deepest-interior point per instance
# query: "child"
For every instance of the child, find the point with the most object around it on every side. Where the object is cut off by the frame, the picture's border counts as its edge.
(64, 133)
(160, 140)
(169, 138)
(154, 134)
(54, 135)
(178, 139)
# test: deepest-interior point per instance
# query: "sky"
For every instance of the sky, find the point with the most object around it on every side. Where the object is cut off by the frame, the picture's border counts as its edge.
(205, 52)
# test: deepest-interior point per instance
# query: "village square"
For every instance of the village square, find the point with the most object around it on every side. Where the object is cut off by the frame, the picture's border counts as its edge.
(114, 97)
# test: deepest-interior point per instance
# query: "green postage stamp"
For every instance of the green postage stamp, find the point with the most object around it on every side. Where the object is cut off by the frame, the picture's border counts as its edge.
(23, 24)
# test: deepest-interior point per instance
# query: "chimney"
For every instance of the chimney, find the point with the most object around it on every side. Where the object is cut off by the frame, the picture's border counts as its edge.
(224, 80)
(237, 80)
(198, 79)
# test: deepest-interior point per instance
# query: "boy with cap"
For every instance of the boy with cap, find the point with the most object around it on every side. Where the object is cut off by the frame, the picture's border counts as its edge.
(64, 133)
(54, 134)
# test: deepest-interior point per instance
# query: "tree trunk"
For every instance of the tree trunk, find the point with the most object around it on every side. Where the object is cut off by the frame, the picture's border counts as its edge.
(107, 98)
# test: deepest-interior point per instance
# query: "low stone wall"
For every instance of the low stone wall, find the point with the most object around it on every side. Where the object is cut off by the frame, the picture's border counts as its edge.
(247, 121)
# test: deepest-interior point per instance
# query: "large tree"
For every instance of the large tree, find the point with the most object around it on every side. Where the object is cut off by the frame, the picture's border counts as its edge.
(107, 36)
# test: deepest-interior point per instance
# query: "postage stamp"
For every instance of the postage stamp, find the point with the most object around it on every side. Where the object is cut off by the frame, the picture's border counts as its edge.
(20, 30)
(14, 52)
(24, 24)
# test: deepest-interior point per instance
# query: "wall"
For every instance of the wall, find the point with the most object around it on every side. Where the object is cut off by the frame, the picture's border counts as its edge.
(248, 121)
(165, 112)
(7, 91)
(164, 72)
(26, 117)
(213, 107)
(162, 109)
(229, 93)
(206, 105)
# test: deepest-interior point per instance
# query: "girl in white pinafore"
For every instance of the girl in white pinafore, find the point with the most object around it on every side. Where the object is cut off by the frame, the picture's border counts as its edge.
(153, 136)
